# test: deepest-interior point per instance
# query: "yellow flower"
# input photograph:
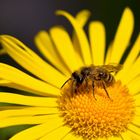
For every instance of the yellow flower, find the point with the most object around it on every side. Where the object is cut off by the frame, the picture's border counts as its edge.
(57, 114)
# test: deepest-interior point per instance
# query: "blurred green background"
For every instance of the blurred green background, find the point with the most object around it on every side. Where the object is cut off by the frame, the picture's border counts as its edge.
(23, 19)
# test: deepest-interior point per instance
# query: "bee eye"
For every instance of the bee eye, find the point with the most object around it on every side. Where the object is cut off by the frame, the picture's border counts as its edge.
(102, 74)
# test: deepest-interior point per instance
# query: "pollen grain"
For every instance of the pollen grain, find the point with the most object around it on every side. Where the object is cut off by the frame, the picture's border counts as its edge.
(97, 116)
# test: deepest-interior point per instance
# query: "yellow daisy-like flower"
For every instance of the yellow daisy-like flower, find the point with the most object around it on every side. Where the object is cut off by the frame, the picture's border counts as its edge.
(55, 112)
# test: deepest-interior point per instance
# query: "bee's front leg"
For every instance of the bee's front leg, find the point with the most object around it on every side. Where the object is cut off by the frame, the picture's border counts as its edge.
(73, 84)
(93, 89)
(87, 85)
(75, 87)
(104, 86)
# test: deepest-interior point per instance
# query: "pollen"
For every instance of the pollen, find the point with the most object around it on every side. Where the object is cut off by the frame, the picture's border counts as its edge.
(96, 115)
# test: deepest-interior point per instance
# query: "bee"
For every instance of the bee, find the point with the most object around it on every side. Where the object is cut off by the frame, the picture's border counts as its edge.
(100, 76)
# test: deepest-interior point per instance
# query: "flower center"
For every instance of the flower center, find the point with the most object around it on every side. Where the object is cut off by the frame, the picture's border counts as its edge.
(94, 116)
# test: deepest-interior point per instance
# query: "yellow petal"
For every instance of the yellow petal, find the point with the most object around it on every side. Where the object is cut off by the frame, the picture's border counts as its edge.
(57, 134)
(114, 138)
(71, 136)
(77, 48)
(16, 76)
(8, 107)
(133, 71)
(4, 82)
(136, 121)
(134, 85)
(24, 120)
(122, 37)
(7, 83)
(134, 129)
(65, 47)
(100, 139)
(27, 111)
(2, 51)
(97, 42)
(133, 135)
(6, 97)
(38, 131)
(126, 136)
(137, 110)
(30, 61)
(47, 48)
(133, 53)
(108, 54)
(130, 59)
(83, 41)
(82, 17)
(137, 99)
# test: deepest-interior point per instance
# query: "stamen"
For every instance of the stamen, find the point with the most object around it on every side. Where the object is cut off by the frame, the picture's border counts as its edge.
(101, 117)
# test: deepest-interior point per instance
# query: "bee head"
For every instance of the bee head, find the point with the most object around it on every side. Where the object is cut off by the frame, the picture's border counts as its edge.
(78, 77)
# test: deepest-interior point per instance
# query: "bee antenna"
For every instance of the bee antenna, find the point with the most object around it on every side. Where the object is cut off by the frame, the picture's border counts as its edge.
(65, 83)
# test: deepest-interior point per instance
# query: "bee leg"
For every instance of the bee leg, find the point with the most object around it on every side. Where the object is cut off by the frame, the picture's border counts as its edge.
(106, 90)
(73, 85)
(93, 90)
(74, 88)
(87, 87)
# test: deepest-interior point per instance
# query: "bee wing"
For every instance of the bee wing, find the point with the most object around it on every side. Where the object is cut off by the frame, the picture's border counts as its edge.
(113, 67)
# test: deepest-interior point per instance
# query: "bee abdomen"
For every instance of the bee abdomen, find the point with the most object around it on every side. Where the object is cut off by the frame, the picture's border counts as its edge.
(110, 79)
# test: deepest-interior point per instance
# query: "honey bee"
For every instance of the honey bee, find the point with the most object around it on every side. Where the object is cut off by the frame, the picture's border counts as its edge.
(100, 76)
